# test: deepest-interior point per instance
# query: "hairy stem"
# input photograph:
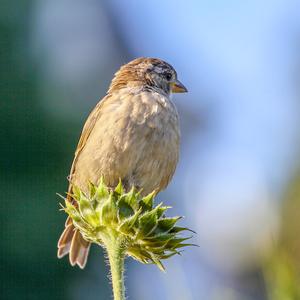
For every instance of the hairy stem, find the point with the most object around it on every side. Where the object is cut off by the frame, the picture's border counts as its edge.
(116, 258)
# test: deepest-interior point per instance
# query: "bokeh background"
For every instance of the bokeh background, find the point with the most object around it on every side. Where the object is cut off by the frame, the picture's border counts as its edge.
(238, 180)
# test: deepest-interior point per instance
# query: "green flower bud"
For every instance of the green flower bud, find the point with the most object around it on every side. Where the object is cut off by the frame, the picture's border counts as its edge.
(145, 233)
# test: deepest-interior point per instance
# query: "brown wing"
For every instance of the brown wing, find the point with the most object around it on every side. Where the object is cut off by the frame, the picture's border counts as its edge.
(71, 241)
(86, 131)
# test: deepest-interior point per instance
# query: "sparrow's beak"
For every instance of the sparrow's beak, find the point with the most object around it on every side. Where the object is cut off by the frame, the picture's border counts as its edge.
(178, 87)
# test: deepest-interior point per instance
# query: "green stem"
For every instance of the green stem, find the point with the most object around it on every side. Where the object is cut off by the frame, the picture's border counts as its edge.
(116, 258)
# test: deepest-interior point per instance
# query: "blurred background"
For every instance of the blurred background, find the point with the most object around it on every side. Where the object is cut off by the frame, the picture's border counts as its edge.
(238, 180)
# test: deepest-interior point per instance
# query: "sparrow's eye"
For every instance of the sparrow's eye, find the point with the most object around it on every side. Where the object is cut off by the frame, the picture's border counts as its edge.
(168, 76)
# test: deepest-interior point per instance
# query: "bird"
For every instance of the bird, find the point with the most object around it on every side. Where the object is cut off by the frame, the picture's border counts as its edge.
(132, 135)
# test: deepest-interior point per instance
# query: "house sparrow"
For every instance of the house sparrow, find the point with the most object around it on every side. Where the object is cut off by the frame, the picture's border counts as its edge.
(132, 134)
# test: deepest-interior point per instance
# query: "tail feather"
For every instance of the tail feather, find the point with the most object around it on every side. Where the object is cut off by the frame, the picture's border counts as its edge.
(72, 242)
(79, 250)
(66, 236)
(64, 242)
(68, 221)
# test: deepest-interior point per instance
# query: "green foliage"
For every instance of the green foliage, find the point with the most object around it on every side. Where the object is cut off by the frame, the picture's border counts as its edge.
(281, 276)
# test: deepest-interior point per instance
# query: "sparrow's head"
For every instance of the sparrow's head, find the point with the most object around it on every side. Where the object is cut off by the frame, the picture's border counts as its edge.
(148, 73)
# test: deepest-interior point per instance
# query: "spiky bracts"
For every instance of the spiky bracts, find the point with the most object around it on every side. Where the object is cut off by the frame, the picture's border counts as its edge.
(140, 228)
